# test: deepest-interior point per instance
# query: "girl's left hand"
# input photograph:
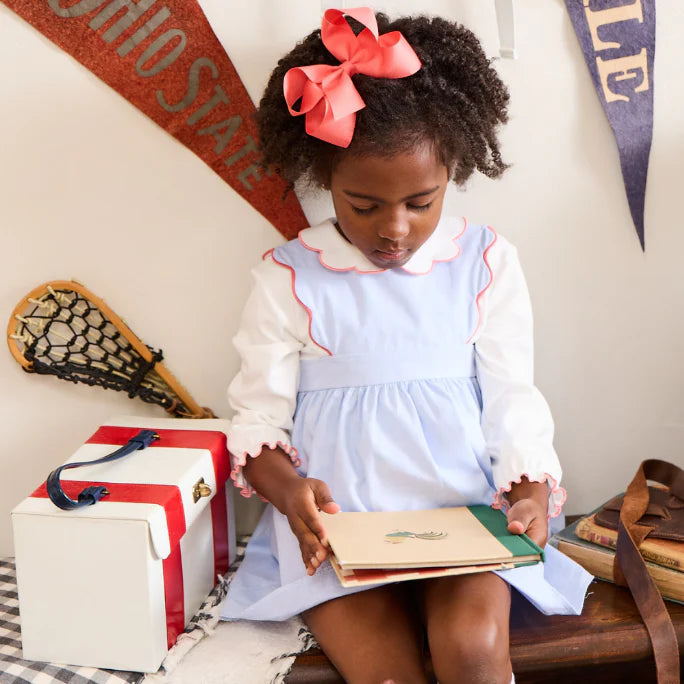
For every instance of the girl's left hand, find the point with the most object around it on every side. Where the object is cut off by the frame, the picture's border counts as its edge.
(529, 509)
(530, 517)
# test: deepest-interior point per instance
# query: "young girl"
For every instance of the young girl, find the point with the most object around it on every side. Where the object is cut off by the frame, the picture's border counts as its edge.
(387, 354)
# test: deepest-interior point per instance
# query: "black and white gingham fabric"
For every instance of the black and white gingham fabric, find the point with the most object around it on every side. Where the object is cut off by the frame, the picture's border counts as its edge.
(15, 670)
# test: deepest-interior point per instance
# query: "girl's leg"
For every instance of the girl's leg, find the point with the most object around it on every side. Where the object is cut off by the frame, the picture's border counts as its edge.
(467, 625)
(371, 637)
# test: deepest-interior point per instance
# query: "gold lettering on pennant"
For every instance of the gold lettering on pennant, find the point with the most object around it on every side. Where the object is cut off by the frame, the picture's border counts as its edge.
(144, 31)
(77, 10)
(612, 15)
(219, 96)
(193, 85)
(251, 170)
(133, 12)
(229, 125)
(632, 67)
(155, 47)
(246, 149)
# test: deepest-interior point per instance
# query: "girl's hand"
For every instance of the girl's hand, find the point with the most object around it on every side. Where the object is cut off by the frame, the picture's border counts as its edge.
(528, 516)
(299, 498)
(304, 498)
(529, 510)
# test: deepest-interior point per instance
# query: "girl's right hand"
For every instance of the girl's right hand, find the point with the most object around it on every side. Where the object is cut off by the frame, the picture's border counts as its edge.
(305, 497)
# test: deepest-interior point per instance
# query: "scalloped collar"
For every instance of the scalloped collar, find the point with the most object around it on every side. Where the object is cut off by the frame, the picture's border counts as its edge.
(336, 254)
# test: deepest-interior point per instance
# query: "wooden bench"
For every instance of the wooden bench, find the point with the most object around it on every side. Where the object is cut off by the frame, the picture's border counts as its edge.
(607, 644)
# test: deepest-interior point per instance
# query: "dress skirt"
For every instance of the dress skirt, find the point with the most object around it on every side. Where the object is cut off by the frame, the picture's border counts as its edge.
(380, 447)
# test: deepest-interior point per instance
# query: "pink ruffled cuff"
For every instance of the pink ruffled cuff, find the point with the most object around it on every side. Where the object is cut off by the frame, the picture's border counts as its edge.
(557, 494)
(239, 460)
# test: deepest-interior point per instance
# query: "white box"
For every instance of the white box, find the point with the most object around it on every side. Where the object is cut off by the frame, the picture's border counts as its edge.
(109, 585)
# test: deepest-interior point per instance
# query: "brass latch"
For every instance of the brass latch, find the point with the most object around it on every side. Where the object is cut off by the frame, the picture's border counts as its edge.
(200, 489)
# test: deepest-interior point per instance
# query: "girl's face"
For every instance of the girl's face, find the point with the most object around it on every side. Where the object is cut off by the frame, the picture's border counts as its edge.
(388, 207)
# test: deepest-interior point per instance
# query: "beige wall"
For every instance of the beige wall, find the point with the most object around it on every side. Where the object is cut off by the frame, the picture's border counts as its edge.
(91, 189)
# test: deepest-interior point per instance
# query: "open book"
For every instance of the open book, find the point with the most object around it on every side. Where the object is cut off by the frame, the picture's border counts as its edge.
(371, 548)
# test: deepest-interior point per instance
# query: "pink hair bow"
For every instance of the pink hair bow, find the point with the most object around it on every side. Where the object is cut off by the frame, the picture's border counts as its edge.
(328, 96)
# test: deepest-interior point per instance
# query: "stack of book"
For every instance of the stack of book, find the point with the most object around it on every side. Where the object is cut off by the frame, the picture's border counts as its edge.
(369, 548)
(593, 547)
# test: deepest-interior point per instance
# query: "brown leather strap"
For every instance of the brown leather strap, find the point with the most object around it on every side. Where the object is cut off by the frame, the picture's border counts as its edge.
(630, 565)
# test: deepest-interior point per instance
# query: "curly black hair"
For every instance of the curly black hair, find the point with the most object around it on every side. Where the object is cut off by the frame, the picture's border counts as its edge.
(456, 102)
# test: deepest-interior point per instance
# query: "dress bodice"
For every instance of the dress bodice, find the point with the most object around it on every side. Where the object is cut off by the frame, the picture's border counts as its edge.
(391, 324)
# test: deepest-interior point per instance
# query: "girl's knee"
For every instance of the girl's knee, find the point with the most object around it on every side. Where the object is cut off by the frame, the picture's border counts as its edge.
(479, 636)
(476, 652)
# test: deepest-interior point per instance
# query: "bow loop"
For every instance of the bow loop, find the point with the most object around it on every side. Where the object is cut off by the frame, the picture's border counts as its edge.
(326, 94)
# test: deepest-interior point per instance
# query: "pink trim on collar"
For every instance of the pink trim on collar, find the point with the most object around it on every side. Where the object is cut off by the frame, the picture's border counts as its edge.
(455, 240)
(328, 266)
(354, 255)
(486, 287)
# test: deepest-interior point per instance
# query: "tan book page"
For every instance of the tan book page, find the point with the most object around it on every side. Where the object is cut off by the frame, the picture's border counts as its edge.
(437, 537)
(358, 578)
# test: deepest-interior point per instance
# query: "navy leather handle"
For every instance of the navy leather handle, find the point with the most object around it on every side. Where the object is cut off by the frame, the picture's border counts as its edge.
(91, 495)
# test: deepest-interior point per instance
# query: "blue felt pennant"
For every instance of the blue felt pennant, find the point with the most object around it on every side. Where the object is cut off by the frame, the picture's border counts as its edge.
(618, 41)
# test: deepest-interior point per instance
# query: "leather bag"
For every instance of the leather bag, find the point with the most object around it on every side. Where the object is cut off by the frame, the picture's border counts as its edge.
(664, 516)
(656, 512)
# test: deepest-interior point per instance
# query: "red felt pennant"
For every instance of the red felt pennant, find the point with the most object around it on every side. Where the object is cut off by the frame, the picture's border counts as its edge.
(165, 59)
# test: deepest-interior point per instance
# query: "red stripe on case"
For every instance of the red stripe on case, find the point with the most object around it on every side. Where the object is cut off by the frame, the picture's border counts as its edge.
(169, 497)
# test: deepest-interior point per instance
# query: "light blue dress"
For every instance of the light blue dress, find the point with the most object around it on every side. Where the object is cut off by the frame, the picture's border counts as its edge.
(390, 420)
